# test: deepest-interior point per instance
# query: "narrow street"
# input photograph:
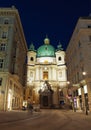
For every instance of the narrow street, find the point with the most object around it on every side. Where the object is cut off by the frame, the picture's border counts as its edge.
(51, 120)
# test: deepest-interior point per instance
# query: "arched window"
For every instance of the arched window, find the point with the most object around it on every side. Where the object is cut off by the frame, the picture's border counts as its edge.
(59, 58)
(31, 58)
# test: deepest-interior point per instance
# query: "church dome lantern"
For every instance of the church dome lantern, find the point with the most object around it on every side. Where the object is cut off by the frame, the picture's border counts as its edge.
(46, 40)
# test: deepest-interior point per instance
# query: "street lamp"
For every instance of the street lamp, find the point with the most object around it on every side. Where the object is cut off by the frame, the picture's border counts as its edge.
(84, 73)
(68, 82)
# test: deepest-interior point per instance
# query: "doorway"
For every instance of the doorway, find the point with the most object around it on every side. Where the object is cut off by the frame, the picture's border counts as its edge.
(45, 100)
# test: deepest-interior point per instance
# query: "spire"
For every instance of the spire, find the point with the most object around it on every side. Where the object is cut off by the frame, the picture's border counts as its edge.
(59, 46)
(31, 47)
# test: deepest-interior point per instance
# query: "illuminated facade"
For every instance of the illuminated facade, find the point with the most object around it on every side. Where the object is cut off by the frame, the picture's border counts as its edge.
(13, 51)
(46, 75)
(78, 59)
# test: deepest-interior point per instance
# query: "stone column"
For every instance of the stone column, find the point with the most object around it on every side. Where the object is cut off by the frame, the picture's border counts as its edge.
(50, 73)
(37, 73)
(53, 74)
(41, 73)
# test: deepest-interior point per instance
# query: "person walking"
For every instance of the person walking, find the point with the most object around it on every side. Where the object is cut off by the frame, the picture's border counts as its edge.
(30, 108)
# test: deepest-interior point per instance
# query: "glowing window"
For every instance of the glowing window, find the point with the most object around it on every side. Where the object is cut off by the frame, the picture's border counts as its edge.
(45, 75)
(46, 61)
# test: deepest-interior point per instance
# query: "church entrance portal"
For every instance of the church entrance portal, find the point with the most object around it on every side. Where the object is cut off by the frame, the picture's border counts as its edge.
(46, 96)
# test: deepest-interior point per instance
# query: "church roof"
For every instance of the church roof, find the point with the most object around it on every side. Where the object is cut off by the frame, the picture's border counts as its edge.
(46, 50)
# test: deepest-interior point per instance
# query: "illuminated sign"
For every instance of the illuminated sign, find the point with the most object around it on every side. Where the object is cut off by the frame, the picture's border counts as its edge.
(85, 89)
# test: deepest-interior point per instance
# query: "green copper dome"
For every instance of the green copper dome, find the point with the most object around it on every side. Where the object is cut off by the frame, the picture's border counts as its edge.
(46, 50)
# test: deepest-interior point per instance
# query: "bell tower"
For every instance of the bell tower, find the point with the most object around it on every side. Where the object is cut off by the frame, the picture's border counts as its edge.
(31, 55)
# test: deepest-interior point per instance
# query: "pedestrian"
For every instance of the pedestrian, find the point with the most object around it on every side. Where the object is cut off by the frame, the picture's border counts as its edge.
(30, 108)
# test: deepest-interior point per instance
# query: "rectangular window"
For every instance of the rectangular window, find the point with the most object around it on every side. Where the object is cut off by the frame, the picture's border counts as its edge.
(45, 75)
(79, 44)
(2, 47)
(81, 56)
(89, 38)
(6, 21)
(61, 94)
(77, 77)
(60, 74)
(1, 63)
(0, 81)
(4, 35)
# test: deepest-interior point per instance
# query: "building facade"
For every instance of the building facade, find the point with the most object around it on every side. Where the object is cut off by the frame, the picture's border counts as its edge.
(13, 51)
(46, 75)
(78, 59)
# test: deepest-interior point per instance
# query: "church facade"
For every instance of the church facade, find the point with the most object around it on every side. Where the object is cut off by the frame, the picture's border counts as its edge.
(46, 75)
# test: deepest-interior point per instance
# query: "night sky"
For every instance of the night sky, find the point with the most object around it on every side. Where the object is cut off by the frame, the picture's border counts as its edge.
(55, 18)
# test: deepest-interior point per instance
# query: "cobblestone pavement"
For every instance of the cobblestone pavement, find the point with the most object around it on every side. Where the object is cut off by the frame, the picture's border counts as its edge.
(21, 115)
(45, 120)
